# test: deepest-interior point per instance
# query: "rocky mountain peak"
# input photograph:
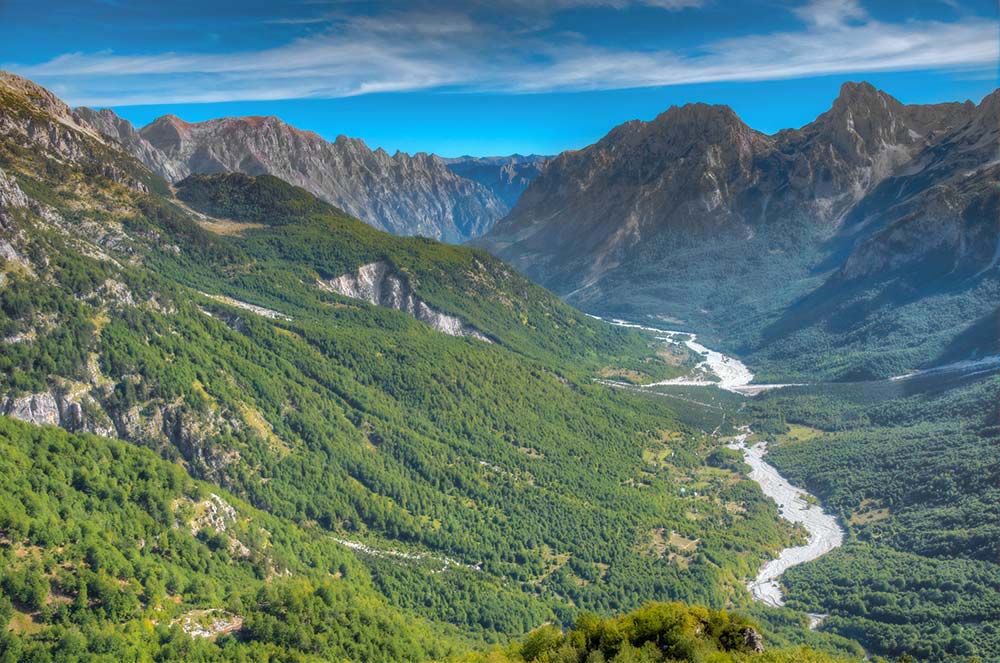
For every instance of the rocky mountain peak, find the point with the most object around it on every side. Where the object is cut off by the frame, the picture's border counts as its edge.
(987, 113)
(687, 188)
(861, 93)
(121, 130)
(699, 114)
(173, 120)
(685, 131)
(861, 120)
(166, 131)
(348, 141)
(399, 193)
(41, 122)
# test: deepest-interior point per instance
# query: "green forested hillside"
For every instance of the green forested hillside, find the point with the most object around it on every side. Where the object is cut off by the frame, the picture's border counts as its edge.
(296, 235)
(112, 554)
(442, 484)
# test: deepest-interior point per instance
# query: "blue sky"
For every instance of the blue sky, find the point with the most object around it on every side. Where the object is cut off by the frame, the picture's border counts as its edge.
(495, 76)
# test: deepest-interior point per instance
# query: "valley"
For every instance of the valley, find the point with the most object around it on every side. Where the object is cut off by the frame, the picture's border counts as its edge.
(833, 429)
(239, 420)
(795, 505)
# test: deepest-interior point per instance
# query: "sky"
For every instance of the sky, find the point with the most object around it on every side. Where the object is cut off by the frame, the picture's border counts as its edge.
(489, 77)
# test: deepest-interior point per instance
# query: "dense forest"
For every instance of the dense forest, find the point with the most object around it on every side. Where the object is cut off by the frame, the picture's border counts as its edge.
(110, 553)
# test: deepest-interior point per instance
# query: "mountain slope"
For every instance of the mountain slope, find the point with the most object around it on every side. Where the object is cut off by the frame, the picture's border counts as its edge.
(697, 218)
(402, 194)
(101, 537)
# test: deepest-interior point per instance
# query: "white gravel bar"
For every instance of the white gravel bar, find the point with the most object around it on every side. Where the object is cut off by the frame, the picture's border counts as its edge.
(825, 533)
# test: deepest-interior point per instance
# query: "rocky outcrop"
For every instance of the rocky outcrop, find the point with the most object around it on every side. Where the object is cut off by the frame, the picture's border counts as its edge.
(76, 413)
(209, 624)
(752, 640)
(38, 120)
(11, 196)
(214, 513)
(195, 434)
(11, 200)
(78, 409)
(40, 409)
(380, 284)
(399, 193)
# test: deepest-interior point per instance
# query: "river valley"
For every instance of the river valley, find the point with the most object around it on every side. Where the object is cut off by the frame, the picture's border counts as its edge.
(794, 504)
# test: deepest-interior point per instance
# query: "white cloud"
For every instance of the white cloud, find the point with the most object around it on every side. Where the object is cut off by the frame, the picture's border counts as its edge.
(422, 49)
(830, 13)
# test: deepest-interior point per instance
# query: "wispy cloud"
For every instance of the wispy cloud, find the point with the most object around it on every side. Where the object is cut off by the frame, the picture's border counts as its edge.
(830, 13)
(423, 48)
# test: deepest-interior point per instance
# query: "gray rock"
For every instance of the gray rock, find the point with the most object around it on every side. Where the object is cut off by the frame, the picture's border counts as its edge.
(635, 219)
(753, 640)
(121, 130)
(40, 409)
(378, 283)
(11, 195)
(54, 408)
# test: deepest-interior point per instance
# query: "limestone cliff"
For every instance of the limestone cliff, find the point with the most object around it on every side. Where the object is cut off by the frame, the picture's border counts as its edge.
(378, 283)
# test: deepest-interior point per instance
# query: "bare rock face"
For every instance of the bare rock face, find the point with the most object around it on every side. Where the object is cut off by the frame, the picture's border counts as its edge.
(110, 125)
(11, 195)
(48, 104)
(378, 283)
(40, 409)
(942, 211)
(689, 174)
(11, 199)
(214, 514)
(402, 194)
(55, 408)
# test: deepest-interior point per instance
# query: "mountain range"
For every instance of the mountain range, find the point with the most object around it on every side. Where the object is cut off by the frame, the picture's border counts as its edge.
(420, 194)
(813, 237)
